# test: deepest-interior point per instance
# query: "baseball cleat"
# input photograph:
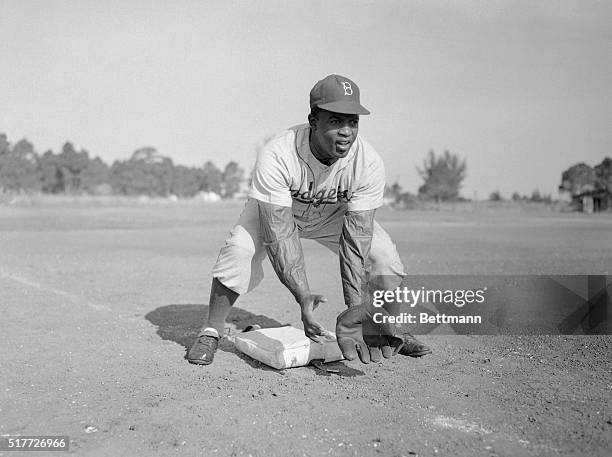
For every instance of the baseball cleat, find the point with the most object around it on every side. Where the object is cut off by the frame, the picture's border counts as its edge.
(413, 347)
(203, 350)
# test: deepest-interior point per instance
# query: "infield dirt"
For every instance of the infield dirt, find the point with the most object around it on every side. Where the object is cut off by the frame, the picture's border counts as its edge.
(100, 302)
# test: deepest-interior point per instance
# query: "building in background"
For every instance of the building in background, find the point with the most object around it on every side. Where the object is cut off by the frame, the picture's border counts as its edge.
(590, 188)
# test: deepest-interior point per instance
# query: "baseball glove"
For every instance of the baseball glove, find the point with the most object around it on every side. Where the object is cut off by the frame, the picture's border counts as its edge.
(359, 336)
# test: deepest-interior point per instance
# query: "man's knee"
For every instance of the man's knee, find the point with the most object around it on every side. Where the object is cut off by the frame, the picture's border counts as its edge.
(238, 268)
(238, 265)
(384, 258)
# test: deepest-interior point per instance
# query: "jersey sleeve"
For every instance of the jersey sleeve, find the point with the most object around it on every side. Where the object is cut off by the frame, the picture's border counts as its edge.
(271, 179)
(371, 186)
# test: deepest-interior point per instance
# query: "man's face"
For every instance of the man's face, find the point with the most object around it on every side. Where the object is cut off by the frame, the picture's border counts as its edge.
(333, 134)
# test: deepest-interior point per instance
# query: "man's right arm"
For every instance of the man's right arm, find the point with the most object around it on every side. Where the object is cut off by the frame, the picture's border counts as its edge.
(281, 238)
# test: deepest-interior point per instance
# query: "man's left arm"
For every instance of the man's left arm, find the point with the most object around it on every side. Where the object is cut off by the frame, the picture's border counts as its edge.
(354, 250)
(357, 330)
(359, 333)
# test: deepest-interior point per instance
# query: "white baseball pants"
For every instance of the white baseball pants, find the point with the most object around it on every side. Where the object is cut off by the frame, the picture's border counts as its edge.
(239, 264)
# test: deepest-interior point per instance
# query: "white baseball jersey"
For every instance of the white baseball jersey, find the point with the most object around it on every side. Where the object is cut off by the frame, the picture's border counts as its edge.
(288, 174)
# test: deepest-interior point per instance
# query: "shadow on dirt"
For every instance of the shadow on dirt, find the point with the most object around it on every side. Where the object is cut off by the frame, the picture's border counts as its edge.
(336, 369)
(181, 324)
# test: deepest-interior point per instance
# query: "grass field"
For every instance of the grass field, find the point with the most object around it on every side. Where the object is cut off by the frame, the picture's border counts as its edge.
(99, 302)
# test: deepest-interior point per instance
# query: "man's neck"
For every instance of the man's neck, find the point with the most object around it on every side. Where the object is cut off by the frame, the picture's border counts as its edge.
(314, 148)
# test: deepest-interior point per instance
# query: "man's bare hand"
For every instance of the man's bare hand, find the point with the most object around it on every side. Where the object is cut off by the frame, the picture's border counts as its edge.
(313, 330)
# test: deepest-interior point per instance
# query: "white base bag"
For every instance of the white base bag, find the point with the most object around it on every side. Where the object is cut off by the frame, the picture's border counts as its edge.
(285, 347)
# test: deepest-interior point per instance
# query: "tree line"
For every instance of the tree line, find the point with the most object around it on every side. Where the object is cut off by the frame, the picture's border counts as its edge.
(146, 172)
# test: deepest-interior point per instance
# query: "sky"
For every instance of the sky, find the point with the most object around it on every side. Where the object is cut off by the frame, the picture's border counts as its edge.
(520, 89)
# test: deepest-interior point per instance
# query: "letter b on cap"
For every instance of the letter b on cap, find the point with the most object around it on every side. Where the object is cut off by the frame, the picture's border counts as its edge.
(348, 90)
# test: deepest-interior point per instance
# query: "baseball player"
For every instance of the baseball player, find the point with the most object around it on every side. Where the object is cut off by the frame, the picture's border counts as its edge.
(320, 181)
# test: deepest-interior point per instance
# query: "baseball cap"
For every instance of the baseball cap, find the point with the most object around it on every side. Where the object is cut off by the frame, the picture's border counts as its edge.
(337, 94)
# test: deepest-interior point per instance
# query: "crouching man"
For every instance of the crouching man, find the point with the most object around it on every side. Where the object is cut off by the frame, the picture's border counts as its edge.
(319, 181)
